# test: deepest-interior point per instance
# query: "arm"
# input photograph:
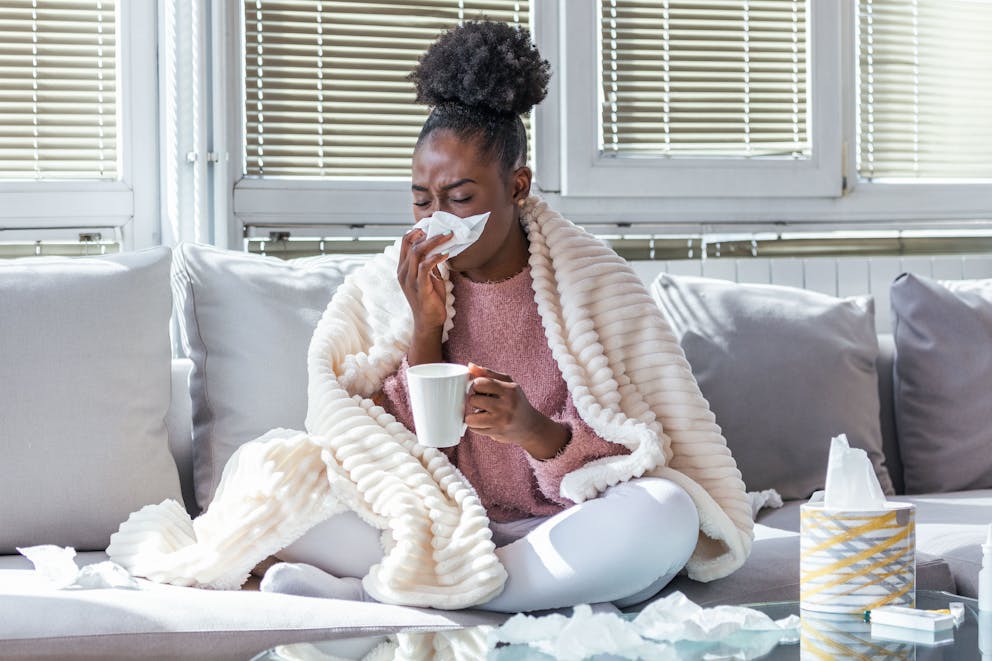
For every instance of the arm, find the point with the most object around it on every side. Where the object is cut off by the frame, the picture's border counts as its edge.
(583, 447)
(555, 446)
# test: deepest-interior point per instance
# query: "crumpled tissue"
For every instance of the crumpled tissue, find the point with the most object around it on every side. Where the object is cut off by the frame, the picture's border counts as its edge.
(465, 231)
(670, 628)
(56, 563)
(851, 482)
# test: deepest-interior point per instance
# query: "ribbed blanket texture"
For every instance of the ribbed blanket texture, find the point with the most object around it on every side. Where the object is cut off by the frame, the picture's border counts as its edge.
(623, 366)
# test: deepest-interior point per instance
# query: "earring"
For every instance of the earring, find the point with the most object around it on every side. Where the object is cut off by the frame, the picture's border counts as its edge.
(521, 202)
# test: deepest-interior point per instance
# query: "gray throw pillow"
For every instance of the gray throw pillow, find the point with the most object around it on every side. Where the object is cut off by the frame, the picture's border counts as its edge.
(784, 371)
(85, 383)
(943, 382)
(246, 322)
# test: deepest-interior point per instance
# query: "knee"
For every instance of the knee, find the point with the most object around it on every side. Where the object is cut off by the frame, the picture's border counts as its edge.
(659, 512)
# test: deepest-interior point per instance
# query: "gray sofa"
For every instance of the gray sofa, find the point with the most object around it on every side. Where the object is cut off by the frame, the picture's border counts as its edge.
(38, 621)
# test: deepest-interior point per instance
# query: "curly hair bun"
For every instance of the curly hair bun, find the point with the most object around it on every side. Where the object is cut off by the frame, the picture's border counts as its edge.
(485, 65)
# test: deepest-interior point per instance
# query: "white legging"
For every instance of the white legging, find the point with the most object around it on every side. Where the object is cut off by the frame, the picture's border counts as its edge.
(621, 547)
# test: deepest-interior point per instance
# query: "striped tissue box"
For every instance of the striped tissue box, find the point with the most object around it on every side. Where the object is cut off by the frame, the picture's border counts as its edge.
(852, 561)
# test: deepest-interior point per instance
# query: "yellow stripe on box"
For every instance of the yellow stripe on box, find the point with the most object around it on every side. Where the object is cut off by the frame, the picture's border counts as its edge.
(847, 562)
(882, 522)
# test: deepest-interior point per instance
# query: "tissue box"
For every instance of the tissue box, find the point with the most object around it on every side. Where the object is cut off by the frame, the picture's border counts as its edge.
(853, 561)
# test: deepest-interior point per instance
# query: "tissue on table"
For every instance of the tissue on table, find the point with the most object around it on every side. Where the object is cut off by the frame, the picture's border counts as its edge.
(465, 231)
(857, 551)
(57, 565)
(670, 628)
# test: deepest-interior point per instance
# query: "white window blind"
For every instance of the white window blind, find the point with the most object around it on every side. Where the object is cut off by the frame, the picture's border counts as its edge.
(704, 78)
(925, 100)
(326, 93)
(58, 89)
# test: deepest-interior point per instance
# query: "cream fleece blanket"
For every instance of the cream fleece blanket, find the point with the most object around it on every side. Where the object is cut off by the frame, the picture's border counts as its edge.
(624, 368)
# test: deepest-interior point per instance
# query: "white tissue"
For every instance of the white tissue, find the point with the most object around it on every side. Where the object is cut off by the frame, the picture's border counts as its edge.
(465, 231)
(670, 628)
(851, 481)
(675, 618)
(57, 565)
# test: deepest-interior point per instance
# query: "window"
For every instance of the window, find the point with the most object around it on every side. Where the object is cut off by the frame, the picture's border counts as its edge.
(925, 90)
(704, 79)
(702, 99)
(78, 103)
(326, 93)
(59, 99)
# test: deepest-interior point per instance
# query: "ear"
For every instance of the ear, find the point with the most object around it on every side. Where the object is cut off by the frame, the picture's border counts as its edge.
(520, 184)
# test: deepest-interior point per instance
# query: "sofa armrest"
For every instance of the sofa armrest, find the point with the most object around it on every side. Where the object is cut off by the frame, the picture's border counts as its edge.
(179, 421)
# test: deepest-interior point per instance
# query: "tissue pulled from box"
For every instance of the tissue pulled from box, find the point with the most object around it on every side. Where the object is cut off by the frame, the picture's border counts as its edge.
(57, 565)
(851, 482)
(465, 231)
(670, 628)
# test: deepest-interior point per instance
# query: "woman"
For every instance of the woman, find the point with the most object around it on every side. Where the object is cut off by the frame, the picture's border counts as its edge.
(524, 432)
(593, 469)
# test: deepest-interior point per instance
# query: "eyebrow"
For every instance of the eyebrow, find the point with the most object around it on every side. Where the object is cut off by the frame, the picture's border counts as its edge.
(458, 183)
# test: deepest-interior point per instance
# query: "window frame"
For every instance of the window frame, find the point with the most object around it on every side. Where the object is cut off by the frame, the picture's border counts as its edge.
(64, 208)
(348, 205)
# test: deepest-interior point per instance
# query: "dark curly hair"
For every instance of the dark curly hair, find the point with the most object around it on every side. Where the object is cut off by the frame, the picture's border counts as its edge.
(479, 78)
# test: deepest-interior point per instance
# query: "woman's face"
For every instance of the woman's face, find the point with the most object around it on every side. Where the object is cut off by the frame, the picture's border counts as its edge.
(449, 175)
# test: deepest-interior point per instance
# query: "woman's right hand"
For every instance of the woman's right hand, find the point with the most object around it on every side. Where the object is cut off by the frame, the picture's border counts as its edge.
(420, 282)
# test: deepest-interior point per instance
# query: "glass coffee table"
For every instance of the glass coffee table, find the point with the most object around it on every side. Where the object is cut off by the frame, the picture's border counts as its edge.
(821, 637)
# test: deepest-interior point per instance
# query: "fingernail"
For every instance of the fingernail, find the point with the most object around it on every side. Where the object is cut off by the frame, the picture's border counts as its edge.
(445, 254)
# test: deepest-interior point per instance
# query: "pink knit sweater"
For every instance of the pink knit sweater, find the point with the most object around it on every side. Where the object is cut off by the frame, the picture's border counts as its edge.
(496, 325)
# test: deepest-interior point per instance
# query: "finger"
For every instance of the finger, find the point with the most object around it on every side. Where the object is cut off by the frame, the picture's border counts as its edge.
(409, 239)
(479, 370)
(490, 387)
(419, 253)
(422, 248)
(479, 421)
(481, 403)
(425, 270)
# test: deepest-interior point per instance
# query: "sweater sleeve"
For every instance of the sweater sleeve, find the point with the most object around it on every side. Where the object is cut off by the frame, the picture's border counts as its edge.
(583, 446)
(394, 396)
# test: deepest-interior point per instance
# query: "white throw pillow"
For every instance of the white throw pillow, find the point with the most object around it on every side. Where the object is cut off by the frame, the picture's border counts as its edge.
(85, 384)
(246, 322)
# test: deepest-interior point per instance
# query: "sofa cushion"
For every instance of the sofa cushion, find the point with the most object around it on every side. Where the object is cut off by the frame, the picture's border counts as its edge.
(246, 322)
(85, 373)
(784, 370)
(943, 331)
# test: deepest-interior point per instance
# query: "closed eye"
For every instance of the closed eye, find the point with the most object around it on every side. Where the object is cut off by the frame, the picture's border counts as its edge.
(420, 204)
(462, 200)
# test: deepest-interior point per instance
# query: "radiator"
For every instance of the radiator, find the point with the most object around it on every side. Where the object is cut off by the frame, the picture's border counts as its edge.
(837, 276)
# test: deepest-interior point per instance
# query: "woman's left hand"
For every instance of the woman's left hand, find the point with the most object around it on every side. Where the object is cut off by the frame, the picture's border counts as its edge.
(499, 409)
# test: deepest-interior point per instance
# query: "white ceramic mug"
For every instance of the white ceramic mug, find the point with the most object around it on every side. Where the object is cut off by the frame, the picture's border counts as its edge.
(437, 397)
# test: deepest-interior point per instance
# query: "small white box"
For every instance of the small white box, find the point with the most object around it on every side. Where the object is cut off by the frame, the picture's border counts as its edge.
(911, 618)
